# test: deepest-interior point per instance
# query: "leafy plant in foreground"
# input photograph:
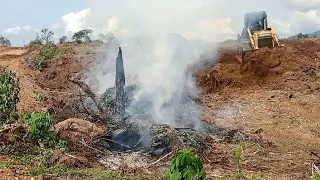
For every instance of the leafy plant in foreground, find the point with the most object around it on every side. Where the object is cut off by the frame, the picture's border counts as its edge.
(185, 165)
(9, 96)
(40, 123)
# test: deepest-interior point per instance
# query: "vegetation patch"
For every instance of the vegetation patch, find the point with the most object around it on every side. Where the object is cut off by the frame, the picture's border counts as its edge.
(4, 41)
(85, 173)
(185, 165)
(47, 54)
(40, 123)
(9, 96)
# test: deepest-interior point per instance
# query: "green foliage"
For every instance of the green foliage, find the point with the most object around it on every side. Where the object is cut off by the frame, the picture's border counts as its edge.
(239, 174)
(238, 157)
(34, 42)
(300, 35)
(185, 165)
(4, 41)
(82, 36)
(9, 96)
(46, 36)
(40, 123)
(63, 40)
(45, 55)
(315, 177)
(83, 173)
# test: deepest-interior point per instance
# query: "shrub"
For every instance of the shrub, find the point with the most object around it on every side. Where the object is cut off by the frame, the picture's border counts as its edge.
(45, 55)
(40, 123)
(4, 41)
(82, 36)
(34, 42)
(9, 96)
(185, 165)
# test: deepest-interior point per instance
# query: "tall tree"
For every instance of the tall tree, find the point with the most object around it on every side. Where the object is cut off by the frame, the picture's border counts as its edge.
(4, 41)
(82, 36)
(46, 36)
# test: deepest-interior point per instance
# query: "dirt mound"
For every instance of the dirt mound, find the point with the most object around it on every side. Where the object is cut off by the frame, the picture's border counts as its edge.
(279, 60)
(267, 67)
(76, 130)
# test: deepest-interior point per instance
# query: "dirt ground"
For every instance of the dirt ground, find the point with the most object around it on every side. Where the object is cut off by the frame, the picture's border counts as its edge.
(273, 95)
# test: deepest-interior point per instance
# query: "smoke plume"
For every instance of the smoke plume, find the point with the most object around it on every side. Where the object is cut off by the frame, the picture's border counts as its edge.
(157, 56)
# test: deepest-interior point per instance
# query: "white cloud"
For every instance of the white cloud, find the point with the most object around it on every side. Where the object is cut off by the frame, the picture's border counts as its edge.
(55, 26)
(302, 5)
(75, 21)
(282, 27)
(27, 28)
(13, 31)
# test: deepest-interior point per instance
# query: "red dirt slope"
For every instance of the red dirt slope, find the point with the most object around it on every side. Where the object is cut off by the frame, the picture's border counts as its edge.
(274, 94)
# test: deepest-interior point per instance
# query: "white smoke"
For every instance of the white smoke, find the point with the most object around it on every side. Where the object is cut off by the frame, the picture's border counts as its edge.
(154, 56)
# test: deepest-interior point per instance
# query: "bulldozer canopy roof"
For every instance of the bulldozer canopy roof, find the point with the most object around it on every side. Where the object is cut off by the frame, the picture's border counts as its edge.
(254, 17)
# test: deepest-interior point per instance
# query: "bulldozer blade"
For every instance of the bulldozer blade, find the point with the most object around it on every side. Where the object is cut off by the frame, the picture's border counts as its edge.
(239, 58)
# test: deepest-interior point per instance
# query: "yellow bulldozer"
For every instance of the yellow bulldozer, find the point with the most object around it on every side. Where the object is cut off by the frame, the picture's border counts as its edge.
(255, 34)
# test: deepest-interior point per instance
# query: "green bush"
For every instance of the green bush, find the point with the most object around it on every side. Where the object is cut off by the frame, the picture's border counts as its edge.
(40, 123)
(82, 36)
(34, 42)
(185, 165)
(9, 96)
(45, 55)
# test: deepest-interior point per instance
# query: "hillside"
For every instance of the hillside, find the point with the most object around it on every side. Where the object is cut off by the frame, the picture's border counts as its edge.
(272, 97)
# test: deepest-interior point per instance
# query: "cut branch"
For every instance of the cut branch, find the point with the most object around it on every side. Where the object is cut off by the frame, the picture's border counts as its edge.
(87, 90)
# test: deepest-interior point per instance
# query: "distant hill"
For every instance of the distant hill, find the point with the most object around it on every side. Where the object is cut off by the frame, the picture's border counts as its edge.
(309, 35)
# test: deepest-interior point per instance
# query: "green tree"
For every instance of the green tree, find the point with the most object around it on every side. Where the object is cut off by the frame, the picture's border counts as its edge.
(46, 36)
(300, 35)
(63, 40)
(82, 36)
(4, 41)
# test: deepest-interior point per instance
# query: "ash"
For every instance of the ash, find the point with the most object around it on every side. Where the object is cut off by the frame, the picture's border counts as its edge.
(154, 139)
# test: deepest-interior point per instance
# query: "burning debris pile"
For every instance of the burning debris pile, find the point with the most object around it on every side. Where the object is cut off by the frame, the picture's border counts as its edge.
(155, 139)
(136, 131)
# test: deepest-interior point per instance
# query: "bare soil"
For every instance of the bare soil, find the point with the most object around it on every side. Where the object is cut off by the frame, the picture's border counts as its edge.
(273, 95)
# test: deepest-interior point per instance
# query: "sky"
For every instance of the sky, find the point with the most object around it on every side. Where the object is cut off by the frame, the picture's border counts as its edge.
(209, 20)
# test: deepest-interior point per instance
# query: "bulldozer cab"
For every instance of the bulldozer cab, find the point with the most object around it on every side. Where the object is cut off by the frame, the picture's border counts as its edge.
(256, 21)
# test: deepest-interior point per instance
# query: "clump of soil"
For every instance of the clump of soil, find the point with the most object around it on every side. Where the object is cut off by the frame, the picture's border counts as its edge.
(77, 131)
(11, 134)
